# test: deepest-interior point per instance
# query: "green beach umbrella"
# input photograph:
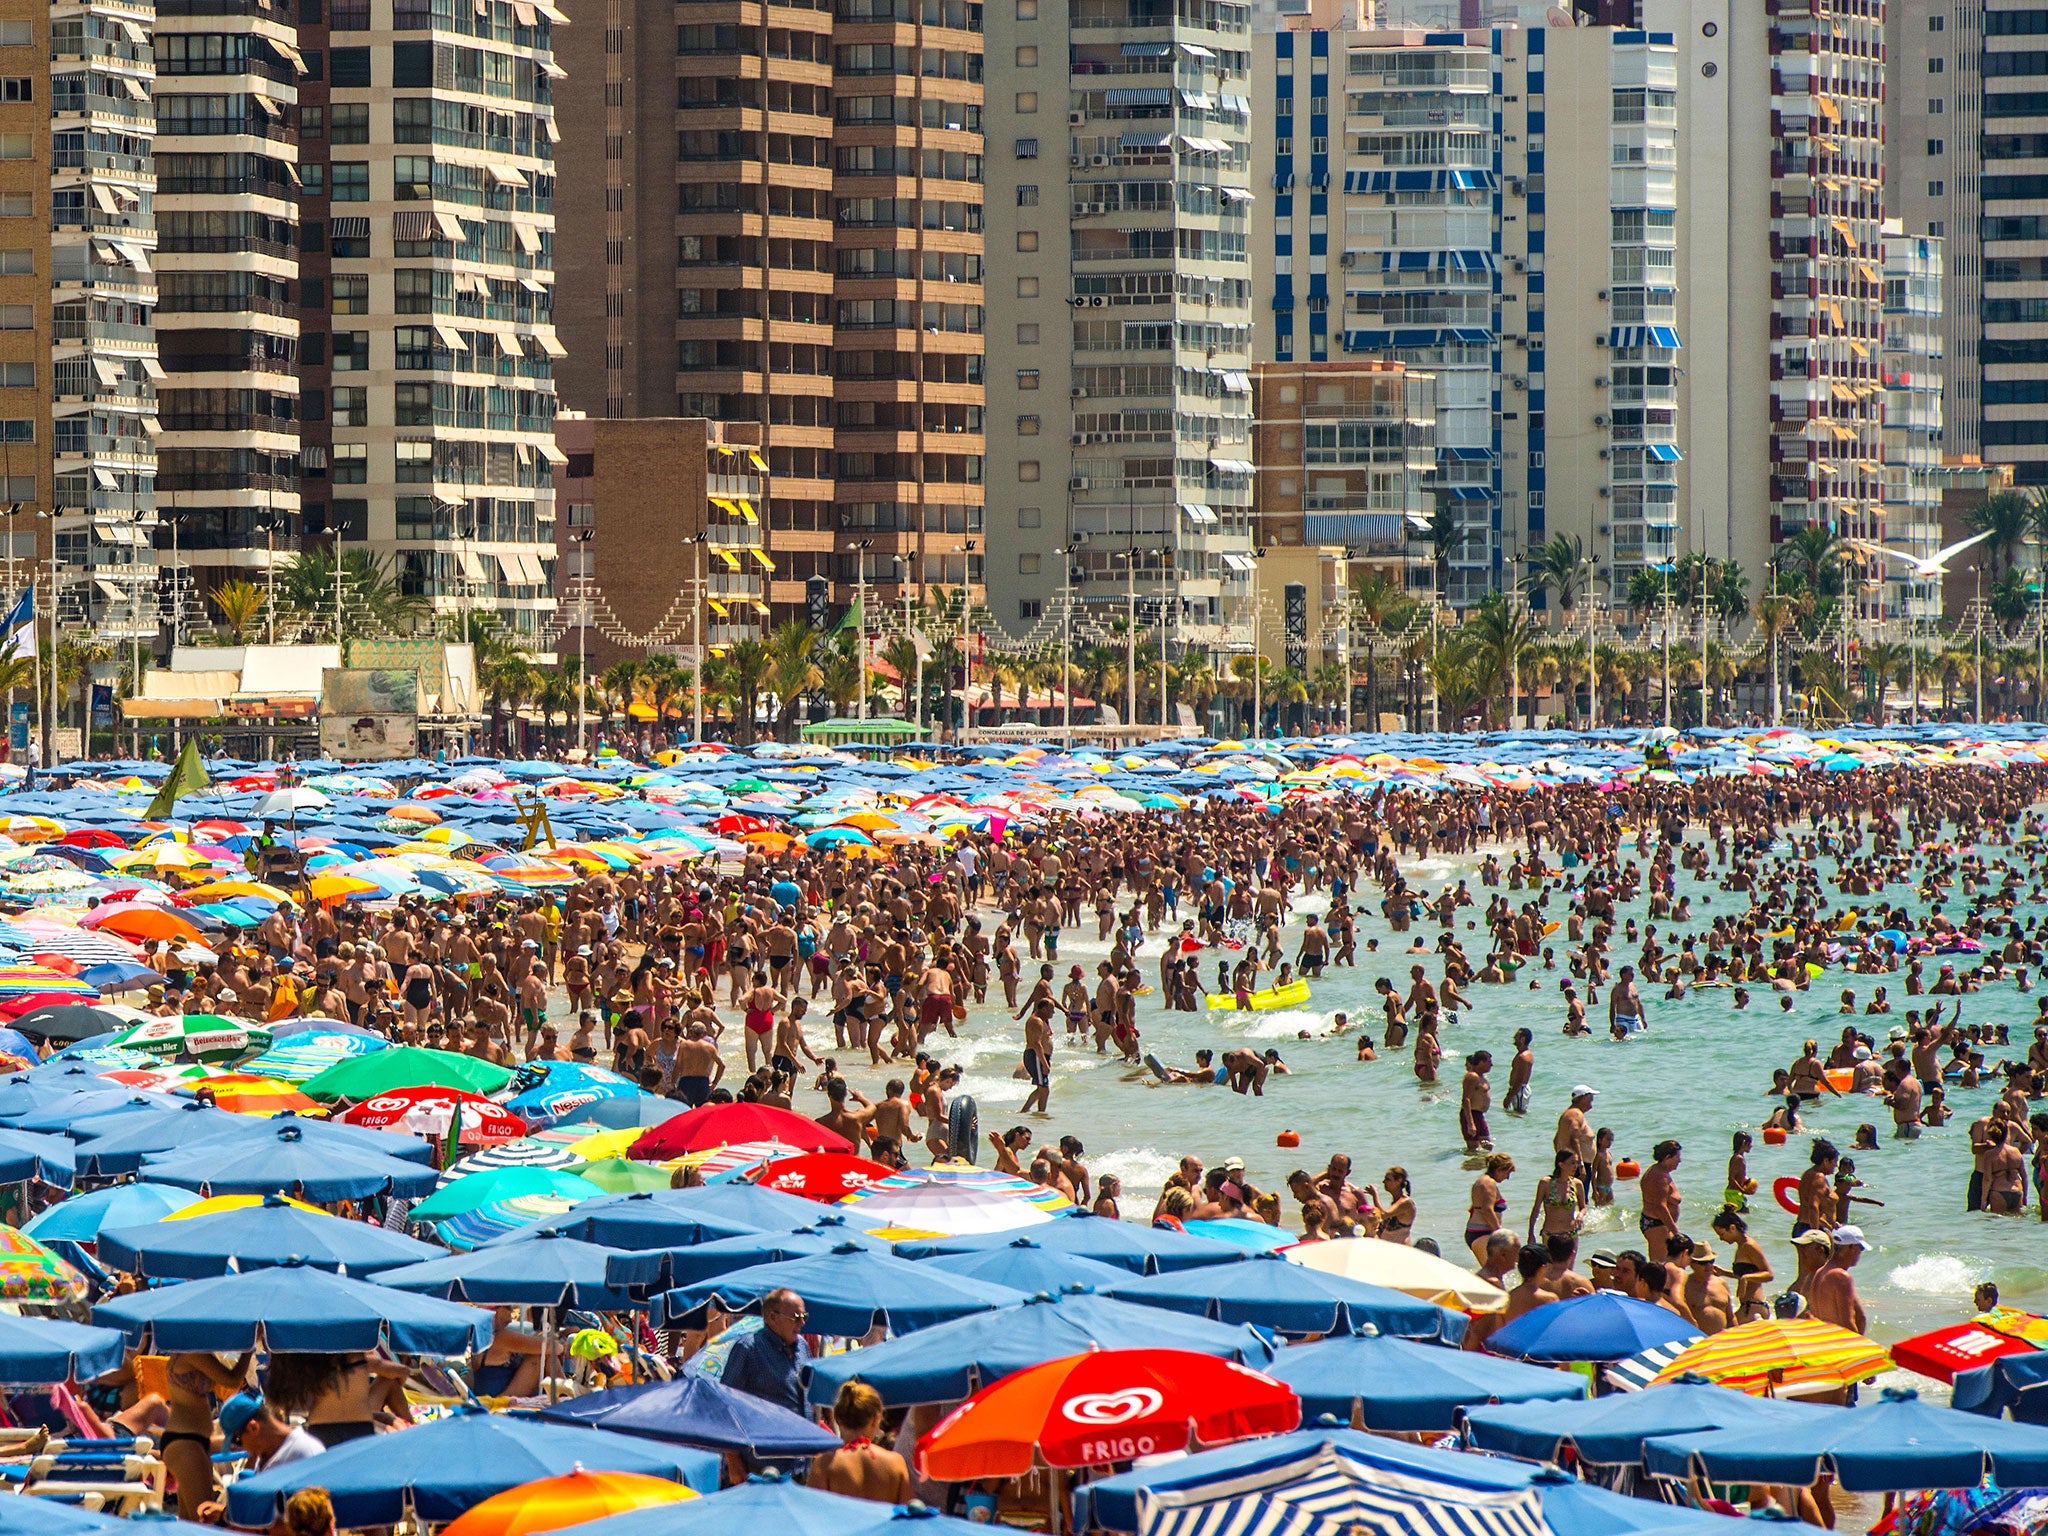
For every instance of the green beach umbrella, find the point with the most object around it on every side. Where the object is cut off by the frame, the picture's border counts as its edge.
(466, 1194)
(622, 1176)
(407, 1066)
(204, 1036)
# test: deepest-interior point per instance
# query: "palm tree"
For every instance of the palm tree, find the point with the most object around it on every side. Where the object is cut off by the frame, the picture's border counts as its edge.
(240, 605)
(2011, 597)
(1728, 590)
(2007, 516)
(1559, 564)
(306, 591)
(509, 680)
(1814, 556)
(664, 681)
(621, 684)
(747, 665)
(1445, 536)
(75, 662)
(792, 670)
(1194, 680)
(839, 672)
(1329, 685)
(555, 695)
(1884, 662)
(1501, 638)
(1097, 665)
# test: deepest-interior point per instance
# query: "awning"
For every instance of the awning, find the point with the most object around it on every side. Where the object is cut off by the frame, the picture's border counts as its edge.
(508, 569)
(268, 107)
(525, 13)
(135, 255)
(1432, 336)
(135, 31)
(111, 592)
(292, 55)
(451, 338)
(527, 236)
(1147, 50)
(745, 508)
(1662, 453)
(473, 566)
(553, 70)
(718, 608)
(1470, 455)
(533, 285)
(507, 175)
(109, 372)
(1843, 228)
(552, 12)
(754, 458)
(1198, 101)
(450, 227)
(1141, 96)
(104, 478)
(1236, 195)
(1241, 105)
(1858, 348)
(1236, 562)
(1205, 146)
(153, 368)
(1419, 181)
(1468, 492)
(356, 226)
(1237, 383)
(553, 454)
(553, 129)
(410, 225)
(153, 426)
(545, 335)
(104, 196)
(1197, 513)
(1643, 336)
(1436, 261)
(732, 560)
(135, 89)
(1197, 51)
(1234, 466)
(761, 557)
(1145, 140)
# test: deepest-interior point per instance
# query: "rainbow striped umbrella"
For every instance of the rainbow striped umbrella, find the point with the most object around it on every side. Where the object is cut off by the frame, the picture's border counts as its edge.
(17, 979)
(961, 1175)
(31, 1272)
(303, 1057)
(478, 1225)
(1780, 1356)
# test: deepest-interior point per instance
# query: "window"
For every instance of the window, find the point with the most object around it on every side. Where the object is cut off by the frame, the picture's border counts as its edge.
(1936, 188)
(16, 88)
(1027, 10)
(351, 293)
(17, 205)
(15, 34)
(1027, 336)
(16, 146)
(1029, 517)
(351, 181)
(1028, 471)
(1027, 197)
(413, 405)
(1027, 58)
(412, 66)
(352, 407)
(415, 463)
(1027, 287)
(351, 122)
(313, 350)
(17, 317)
(1027, 101)
(1027, 378)
(17, 376)
(1027, 239)
(1935, 106)
(351, 463)
(1027, 149)
(17, 430)
(412, 178)
(1937, 23)
(16, 263)
(349, 67)
(1029, 608)
(1936, 65)
(1027, 426)
(313, 179)
(351, 351)
(1027, 565)
(313, 123)
(1937, 228)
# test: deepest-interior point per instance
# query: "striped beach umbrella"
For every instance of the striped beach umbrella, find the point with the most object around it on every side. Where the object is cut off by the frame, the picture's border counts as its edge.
(477, 1226)
(1797, 1356)
(967, 1176)
(303, 1057)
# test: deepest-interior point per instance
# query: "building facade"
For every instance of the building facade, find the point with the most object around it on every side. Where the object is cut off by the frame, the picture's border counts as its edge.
(28, 290)
(432, 329)
(1120, 406)
(1914, 416)
(2013, 341)
(227, 312)
(785, 204)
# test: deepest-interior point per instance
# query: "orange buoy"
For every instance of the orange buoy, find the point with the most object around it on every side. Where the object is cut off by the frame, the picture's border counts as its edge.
(1774, 1136)
(1287, 1139)
(1627, 1168)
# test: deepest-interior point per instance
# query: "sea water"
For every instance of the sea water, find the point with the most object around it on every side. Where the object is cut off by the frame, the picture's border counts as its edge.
(1699, 1073)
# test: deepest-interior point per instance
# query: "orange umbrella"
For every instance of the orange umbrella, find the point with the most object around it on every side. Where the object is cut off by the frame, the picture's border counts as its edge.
(144, 922)
(1105, 1406)
(555, 1502)
(241, 1094)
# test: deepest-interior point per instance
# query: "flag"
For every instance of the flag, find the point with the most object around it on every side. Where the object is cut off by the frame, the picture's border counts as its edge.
(188, 774)
(851, 619)
(19, 627)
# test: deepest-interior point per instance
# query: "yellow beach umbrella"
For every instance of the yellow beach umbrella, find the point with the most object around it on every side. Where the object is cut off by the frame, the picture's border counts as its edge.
(221, 1203)
(1784, 1357)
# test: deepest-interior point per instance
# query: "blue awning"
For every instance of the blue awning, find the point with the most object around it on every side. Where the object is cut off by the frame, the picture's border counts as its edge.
(1147, 50)
(1643, 336)
(1435, 336)
(1141, 96)
(1664, 336)
(1436, 261)
(1417, 181)
(1468, 493)
(1470, 455)
(1663, 453)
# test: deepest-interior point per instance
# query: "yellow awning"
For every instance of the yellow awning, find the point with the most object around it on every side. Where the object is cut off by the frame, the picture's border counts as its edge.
(1870, 272)
(761, 555)
(1843, 228)
(732, 560)
(746, 510)
(722, 504)
(1842, 392)
(1858, 348)
(761, 608)
(757, 461)
(718, 608)
(1829, 110)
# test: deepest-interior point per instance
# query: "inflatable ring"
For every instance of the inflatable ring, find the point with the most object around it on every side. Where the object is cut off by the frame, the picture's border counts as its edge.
(1786, 1191)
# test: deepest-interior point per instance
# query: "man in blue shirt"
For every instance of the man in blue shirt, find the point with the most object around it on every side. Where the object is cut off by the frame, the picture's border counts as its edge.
(767, 1363)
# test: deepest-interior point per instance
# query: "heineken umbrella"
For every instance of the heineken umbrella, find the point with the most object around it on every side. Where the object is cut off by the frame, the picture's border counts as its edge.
(405, 1066)
(203, 1036)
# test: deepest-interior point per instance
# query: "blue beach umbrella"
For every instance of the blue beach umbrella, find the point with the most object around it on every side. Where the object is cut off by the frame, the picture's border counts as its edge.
(23, 1093)
(1611, 1430)
(671, 1218)
(1398, 1385)
(1897, 1442)
(695, 1410)
(1142, 1250)
(642, 1110)
(772, 1503)
(441, 1469)
(288, 1162)
(686, 1265)
(98, 1110)
(1602, 1326)
(256, 1237)
(80, 1218)
(951, 1361)
(41, 1351)
(47, 1517)
(551, 1271)
(1269, 1292)
(846, 1291)
(1248, 1236)
(293, 1307)
(1024, 1266)
(25, 1155)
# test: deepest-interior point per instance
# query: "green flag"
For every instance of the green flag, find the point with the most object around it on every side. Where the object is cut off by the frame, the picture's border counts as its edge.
(187, 774)
(851, 618)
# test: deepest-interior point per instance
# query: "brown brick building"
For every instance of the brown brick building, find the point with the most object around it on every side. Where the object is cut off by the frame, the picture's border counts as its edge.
(779, 208)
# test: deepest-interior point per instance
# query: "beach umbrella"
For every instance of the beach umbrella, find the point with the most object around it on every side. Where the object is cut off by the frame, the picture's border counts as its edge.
(466, 1194)
(669, 1218)
(202, 1036)
(285, 804)
(25, 1093)
(537, 1151)
(142, 920)
(1024, 1266)
(1947, 1352)
(667, 1268)
(622, 1176)
(1123, 1244)
(846, 1291)
(951, 1361)
(1400, 1386)
(696, 1410)
(439, 1470)
(1101, 1407)
(550, 1503)
(551, 1271)
(1896, 1442)
(426, 1111)
(718, 1125)
(826, 1176)
(306, 1055)
(1602, 1326)
(25, 1155)
(768, 1501)
(119, 976)
(262, 1162)
(29, 1271)
(638, 1111)
(80, 1218)
(942, 1208)
(257, 1236)
(1399, 1267)
(1780, 1357)
(43, 1351)
(569, 1088)
(90, 1113)
(479, 1226)
(293, 1307)
(406, 1066)
(1609, 1431)
(1242, 1233)
(1268, 1292)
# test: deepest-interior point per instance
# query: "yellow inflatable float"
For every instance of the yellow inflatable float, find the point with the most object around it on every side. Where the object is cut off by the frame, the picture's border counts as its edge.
(1293, 995)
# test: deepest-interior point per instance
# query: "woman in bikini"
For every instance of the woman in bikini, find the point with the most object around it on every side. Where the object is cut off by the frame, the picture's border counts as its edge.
(1560, 1201)
(1748, 1266)
(1487, 1204)
(1397, 1206)
(513, 1365)
(186, 1444)
(860, 1469)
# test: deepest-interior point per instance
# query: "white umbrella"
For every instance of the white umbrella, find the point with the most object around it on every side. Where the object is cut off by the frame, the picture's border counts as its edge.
(288, 802)
(1400, 1268)
(949, 1209)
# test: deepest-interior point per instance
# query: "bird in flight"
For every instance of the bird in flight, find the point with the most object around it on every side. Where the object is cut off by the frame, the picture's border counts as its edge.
(1935, 564)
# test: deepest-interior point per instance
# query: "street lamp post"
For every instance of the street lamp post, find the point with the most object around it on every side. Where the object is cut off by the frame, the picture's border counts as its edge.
(860, 620)
(581, 578)
(698, 596)
(1977, 640)
(1131, 637)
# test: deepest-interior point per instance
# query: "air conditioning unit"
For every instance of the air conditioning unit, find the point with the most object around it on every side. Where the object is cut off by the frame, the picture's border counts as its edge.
(1098, 160)
(1601, 295)
(1080, 302)
(1075, 160)
(1075, 119)
(1518, 264)
(1348, 260)
(1097, 300)
(1079, 439)
(1079, 483)
(1599, 421)
(1080, 394)
(1518, 382)
(1604, 494)
(1600, 338)
(1605, 454)
(1600, 528)
(1599, 381)
(1515, 185)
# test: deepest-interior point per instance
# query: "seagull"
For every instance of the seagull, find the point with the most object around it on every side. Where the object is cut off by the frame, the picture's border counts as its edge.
(1935, 564)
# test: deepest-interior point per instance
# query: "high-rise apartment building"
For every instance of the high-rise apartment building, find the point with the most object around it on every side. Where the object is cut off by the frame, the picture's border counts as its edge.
(1911, 360)
(1120, 406)
(2013, 339)
(1935, 85)
(430, 325)
(227, 265)
(102, 292)
(784, 205)
(27, 287)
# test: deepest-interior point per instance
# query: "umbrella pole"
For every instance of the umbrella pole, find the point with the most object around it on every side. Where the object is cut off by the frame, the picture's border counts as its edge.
(547, 1351)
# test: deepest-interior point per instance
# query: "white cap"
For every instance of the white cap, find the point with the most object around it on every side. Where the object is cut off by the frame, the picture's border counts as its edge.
(1848, 1237)
(1583, 1092)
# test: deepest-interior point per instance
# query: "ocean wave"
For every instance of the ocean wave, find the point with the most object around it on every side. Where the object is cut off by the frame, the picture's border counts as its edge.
(1143, 1170)
(1939, 1274)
